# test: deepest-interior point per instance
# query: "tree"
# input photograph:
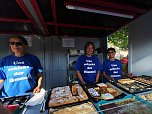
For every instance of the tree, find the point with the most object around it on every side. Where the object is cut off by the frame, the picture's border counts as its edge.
(120, 38)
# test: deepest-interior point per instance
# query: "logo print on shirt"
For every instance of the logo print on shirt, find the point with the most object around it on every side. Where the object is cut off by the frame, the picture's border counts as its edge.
(18, 62)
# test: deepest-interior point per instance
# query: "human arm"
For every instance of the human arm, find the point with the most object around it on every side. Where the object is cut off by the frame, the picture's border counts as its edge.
(1, 83)
(127, 75)
(108, 77)
(97, 77)
(106, 69)
(78, 68)
(80, 77)
(39, 71)
(38, 87)
(2, 79)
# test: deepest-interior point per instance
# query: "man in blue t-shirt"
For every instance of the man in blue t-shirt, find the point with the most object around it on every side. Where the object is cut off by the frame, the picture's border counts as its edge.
(88, 66)
(21, 72)
(112, 68)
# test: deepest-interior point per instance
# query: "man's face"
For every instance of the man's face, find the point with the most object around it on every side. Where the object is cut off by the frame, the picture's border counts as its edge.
(111, 54)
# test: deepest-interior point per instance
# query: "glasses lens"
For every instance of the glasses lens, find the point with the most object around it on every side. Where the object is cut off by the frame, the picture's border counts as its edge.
(12, 43)
(19, 43)
(16, 43)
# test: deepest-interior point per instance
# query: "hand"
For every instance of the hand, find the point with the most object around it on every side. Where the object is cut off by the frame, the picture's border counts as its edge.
(37, 89)
(83, 83)
(130, 75)
(95, 82)
(111, 79)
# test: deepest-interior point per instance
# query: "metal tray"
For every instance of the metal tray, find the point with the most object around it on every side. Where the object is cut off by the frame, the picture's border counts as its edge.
(144, 95)
(127, 87)
(121, 93)
(15, 100)
(79, 100)
(72, 108)
(127, 105)
(145, 79)
(15, 104)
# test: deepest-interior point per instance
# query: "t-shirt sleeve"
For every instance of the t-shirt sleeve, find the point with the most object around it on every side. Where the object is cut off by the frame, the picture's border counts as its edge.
(37, 65)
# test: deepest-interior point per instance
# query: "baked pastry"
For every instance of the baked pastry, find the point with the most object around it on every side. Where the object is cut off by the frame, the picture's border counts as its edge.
(147, 96)
(126, 81)
(93, 92)
(112, 91)
(85, 108)
(103, 90)
(140, 79)
(63, 95)
(107, 96)
(102, 85)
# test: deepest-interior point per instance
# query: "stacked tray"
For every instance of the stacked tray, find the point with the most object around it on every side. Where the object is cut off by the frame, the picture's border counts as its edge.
(128, 105)
(134, 86)
(12, 103)
(61, 96)
(105, 91)
(14, 100)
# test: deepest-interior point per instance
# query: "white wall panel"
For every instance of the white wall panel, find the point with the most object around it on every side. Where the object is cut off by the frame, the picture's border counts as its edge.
(140, 45)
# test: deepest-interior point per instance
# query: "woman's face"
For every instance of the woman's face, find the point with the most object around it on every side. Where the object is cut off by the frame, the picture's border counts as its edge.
(16, 45)
(89, 50)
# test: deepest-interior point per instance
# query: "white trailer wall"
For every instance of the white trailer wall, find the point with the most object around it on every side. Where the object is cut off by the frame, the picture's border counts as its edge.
(140, 46)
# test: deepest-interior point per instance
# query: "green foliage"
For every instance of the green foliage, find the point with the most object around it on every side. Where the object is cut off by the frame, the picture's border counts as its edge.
(120, 38)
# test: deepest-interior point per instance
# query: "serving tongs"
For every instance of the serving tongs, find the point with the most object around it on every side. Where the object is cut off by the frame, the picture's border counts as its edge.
(114, 82)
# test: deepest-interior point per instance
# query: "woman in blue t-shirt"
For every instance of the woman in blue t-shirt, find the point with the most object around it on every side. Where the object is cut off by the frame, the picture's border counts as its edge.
(88, 66)
(21, 72)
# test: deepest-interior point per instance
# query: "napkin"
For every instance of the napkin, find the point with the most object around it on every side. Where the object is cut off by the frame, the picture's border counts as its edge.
(36, 99)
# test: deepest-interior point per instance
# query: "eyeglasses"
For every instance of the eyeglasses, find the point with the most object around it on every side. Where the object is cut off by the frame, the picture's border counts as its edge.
(111, 52)
(16, 43)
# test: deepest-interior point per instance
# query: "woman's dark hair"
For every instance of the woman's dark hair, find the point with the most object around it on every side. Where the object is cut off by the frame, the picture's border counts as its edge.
(111, 49)
(21, 38)
(87, 44)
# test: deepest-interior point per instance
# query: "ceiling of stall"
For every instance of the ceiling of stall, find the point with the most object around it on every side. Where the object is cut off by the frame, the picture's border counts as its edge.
(81, 18)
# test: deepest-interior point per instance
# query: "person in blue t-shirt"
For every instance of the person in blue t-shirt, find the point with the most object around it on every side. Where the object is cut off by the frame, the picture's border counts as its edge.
(112, 68)
(88, 66)
(21, 72)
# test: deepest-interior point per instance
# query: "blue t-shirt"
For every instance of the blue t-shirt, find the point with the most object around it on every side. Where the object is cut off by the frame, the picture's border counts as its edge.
(112, 69)
(88, 67)
(20, 74)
